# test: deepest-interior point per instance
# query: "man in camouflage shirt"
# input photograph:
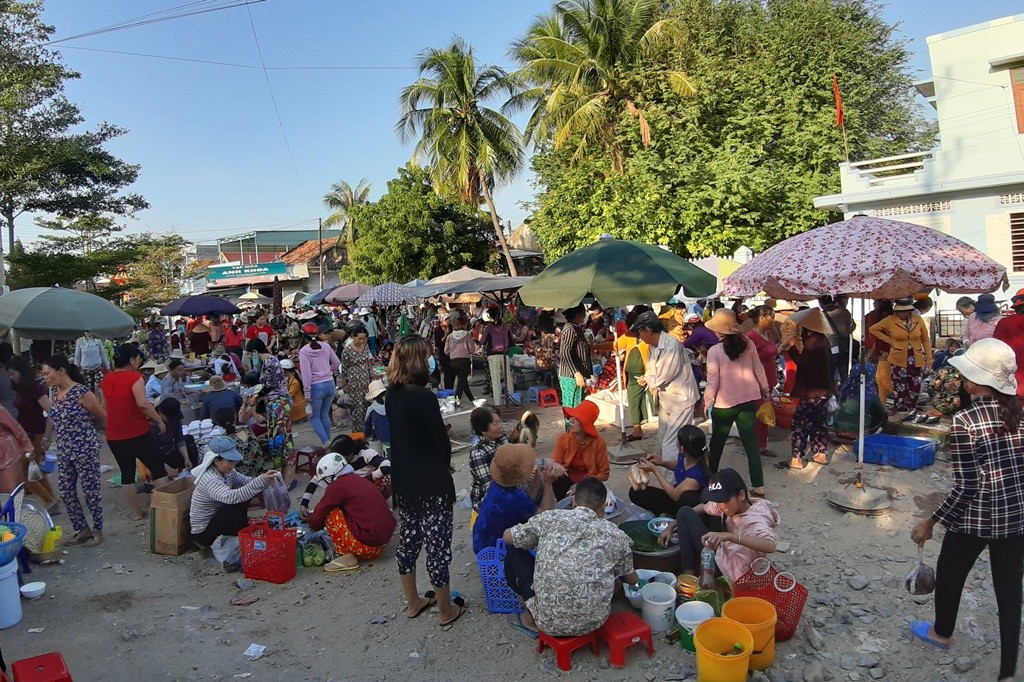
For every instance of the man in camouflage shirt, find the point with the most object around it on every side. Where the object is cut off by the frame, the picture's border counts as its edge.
(568, 587)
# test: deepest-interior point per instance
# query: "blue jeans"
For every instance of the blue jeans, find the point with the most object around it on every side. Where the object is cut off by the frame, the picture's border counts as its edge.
(321, 398)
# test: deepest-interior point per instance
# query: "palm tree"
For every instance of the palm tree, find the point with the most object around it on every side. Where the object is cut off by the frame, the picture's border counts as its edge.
(575, 68)
(342, 199)
(469, 147)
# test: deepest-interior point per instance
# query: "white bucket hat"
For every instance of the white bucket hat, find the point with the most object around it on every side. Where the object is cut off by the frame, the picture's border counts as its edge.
(989, 362)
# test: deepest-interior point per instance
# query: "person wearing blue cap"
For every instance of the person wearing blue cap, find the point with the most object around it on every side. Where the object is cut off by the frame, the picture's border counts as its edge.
(220, 501)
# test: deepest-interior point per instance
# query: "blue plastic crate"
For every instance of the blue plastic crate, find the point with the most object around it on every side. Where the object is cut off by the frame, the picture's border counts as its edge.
(499, 596)
(899, 451)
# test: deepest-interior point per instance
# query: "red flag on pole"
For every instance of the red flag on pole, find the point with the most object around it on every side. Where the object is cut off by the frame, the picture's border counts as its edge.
(839, 101)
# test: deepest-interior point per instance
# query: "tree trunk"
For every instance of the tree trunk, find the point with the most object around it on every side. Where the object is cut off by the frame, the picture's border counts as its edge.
(8, 218)
(497, 225)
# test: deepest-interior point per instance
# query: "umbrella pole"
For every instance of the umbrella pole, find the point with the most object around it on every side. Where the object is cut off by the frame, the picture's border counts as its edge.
(621, 386)
(863, 384)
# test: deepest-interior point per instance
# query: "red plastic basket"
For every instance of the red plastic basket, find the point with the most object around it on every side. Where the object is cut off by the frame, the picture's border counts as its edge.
(781, 590)
(785, 408)
(268, 553)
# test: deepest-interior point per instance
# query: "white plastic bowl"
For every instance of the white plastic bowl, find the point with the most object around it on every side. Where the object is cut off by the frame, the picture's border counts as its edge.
(636, 599)
(33, 590)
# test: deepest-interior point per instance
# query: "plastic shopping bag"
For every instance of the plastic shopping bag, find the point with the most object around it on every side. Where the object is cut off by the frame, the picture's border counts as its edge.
(766, 413)
(275, 497)
(921, 580)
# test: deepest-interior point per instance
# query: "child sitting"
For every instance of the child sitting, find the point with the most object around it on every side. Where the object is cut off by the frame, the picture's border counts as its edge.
(691, 474)
(366, 461)
(376, 426)
(737, 529)
(506, 504)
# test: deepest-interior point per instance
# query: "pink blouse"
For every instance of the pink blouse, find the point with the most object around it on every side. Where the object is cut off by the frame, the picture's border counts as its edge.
(978, 330)
(733, 382)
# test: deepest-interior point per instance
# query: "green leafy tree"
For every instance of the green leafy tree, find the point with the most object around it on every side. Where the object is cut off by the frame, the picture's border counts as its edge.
(412, 232)
(740, 162)
(80, 235)
(46, 164)
(156, 276)
(469, 147)
(42, 268)
(578, 68)
(342, 199)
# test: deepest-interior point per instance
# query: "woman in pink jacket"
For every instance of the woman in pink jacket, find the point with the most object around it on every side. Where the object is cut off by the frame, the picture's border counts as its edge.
(735, 383)
(460, 346)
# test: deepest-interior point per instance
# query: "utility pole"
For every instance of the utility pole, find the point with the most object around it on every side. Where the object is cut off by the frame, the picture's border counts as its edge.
(320, 251)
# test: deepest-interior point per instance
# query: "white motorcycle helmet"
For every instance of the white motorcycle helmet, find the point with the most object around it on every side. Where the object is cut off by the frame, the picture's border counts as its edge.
(329, 466)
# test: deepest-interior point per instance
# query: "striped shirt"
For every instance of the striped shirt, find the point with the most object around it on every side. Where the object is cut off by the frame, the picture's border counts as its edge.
(214, 490)
(987, 499)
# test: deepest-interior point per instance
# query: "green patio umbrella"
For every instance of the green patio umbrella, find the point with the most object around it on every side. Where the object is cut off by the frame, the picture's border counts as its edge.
(55, 313)
(616, 273)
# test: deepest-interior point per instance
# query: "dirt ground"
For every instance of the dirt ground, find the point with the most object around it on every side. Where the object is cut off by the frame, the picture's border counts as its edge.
(119, 613)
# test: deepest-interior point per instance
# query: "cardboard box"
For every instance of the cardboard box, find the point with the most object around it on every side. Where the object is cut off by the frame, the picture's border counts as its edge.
(169, 531)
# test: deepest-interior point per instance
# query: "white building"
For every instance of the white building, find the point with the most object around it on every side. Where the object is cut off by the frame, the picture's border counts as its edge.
(971, 185)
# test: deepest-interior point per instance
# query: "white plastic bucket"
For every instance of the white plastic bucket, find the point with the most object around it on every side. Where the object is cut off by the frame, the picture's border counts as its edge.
(10, 596)
(659, 605)
(689, 615)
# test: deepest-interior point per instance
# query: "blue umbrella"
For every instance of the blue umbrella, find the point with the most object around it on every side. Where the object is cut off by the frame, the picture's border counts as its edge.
(318, 297)
(200, 305)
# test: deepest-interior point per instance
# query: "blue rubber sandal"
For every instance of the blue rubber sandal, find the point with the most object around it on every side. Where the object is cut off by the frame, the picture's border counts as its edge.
(920, 629)
(517, 622)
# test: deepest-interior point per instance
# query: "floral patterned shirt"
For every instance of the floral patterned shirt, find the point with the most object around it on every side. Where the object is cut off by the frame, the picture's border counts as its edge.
(272, 378)
(579, 556)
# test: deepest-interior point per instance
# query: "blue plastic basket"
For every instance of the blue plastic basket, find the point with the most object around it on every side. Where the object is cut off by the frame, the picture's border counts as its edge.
(899, 451)
(499, 596)
(9, 550)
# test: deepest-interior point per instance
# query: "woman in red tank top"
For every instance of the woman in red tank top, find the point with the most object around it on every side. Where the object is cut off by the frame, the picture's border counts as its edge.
(128, 417)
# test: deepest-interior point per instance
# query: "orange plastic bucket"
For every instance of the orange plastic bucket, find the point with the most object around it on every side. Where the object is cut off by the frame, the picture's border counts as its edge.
(758, 616)
(723, 650)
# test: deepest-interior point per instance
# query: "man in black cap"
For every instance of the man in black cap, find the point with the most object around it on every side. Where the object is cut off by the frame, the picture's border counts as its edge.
(669, 377)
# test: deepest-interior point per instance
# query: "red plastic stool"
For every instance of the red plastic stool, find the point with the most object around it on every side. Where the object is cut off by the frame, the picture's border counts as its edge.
(621, 630)
(548, 398)
(46, 668)
(564, 646)
(312, 455)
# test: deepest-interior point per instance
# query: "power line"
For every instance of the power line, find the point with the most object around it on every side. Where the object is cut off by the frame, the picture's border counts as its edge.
(240, 66)
(188, 10)
(273, 100)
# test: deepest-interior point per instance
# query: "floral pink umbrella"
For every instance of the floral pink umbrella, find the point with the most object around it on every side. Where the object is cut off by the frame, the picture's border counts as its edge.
(869, 258)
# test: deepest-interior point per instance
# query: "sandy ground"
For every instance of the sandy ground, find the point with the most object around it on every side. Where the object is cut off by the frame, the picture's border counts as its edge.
(119, 613)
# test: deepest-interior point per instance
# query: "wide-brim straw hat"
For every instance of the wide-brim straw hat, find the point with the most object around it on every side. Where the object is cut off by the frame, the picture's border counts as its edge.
(176, 354)
(813, 319)
(723, 322)
(200, 328)
(903, 304)
(989, 362)
(149, 364)
(781, 306)
(216, 384)
(513, 464)
(587, 412)
(375, 389)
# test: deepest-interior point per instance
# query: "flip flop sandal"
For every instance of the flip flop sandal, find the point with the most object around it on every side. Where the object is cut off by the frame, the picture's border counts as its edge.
(79, 539)
(245, 601)
(633, 439)
(931, 421)
(920, 629)
(431, 601)
(909, 417)
(462, 610)
(336, 566)
(768, 453)
(786, 465)
(516, 621)
(760, 496)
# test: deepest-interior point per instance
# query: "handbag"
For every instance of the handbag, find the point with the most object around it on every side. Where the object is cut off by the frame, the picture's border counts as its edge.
(766, 413)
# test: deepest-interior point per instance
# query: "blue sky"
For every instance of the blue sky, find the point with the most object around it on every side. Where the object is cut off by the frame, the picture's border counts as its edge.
(214, 160)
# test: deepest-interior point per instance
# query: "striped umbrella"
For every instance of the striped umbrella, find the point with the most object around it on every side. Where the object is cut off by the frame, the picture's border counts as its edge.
(55, 313)
(387, 294)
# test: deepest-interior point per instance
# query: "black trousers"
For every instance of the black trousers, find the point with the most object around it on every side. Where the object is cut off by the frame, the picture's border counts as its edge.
(519, 568)
(447, 372)
(656, 500)
(461, 368)
(956, 559)
(227, 520)
(691, 528)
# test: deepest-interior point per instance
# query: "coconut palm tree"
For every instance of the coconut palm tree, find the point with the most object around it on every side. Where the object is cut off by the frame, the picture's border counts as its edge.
(575, 69)
(469, 147)
(342, 199)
